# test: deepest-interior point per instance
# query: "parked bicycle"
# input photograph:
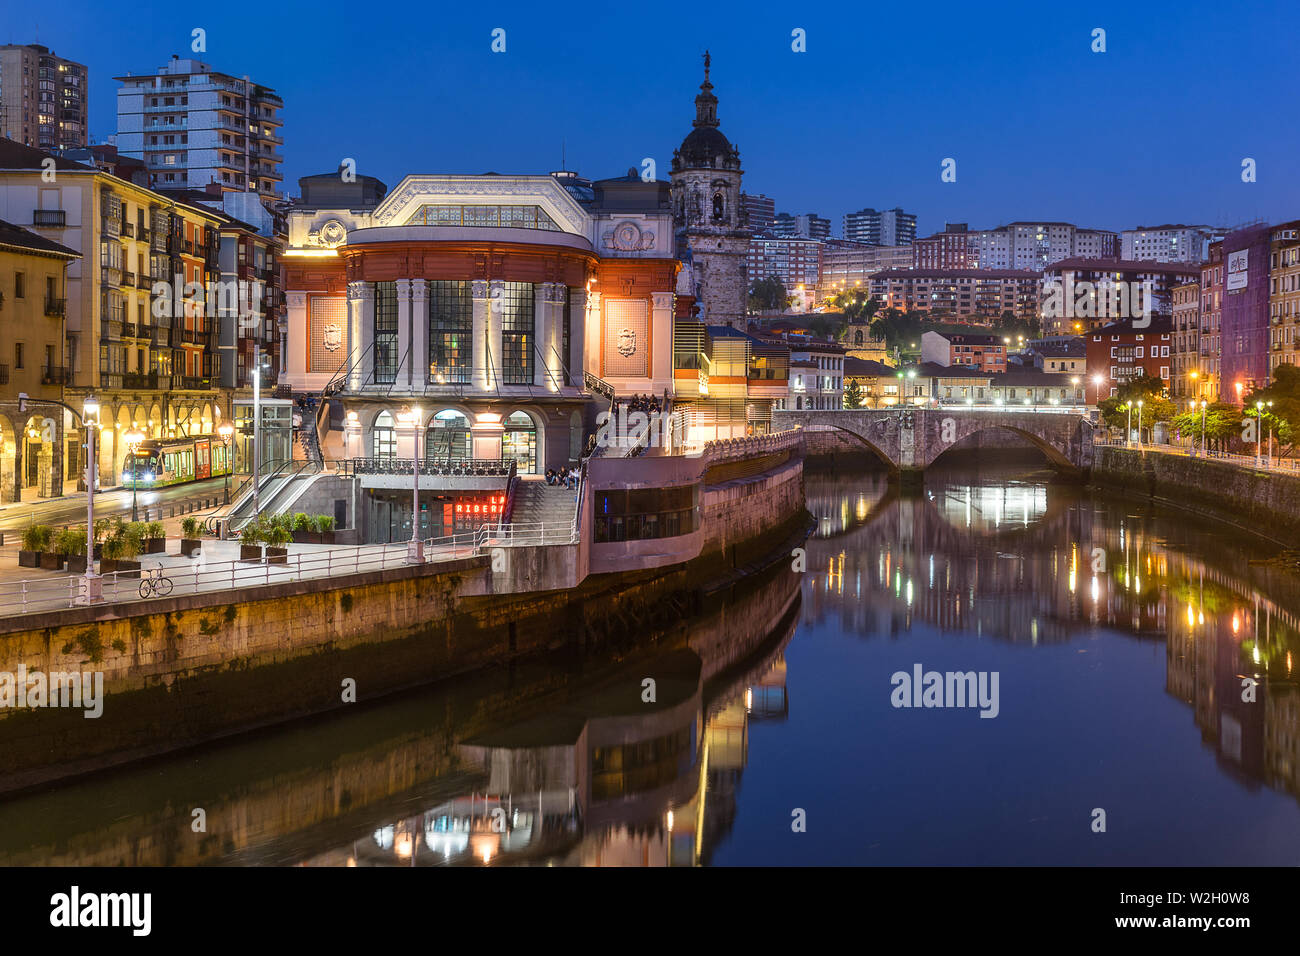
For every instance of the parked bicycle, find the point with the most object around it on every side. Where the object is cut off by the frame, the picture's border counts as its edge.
(153, 584)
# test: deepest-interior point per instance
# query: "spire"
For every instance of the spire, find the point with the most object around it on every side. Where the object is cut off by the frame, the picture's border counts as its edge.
(706, 104)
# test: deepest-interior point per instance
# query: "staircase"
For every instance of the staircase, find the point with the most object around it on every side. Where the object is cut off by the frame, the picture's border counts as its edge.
(537, 503)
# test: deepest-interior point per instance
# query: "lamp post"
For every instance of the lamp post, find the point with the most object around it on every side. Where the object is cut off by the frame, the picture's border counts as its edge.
(257, 418)
(1128, 432)
(1203, 404)
(1096, 380)
(415, 549)
(226, 430)
(133, 439)
(92, 587)
(1139, 424)
(1259, 431)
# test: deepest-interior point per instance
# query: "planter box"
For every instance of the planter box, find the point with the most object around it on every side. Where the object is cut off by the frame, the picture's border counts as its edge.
(124, 567)
(327, 537)
(251, 553)
(306, 537)
(50, 561)
(277, 555)
(155, 545)
(99, 551)
(76, 564)
(29, 559)
(190, 545)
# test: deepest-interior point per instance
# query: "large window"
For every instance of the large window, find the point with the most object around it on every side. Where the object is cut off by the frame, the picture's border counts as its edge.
(451, 332)
(447, 436)
(383, 437)
(520, 442)
(385, 333)
(509, 217)
(517, 331)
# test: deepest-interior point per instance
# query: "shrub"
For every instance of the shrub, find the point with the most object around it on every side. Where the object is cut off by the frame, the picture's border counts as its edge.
(154, 529)
(70, 541)
(190, 527)
(253, 533)
(101, 529)
(278, 534)
(324, 523)
(123, 545)
(36, 537)
(301, 522)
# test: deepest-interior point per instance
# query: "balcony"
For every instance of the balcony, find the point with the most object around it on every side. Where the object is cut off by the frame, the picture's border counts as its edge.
(130, 330)
(49, 217)
(57, 308)
(140, 380)
(128, 230)
(111, 277)
(191, 382)
(55, 375)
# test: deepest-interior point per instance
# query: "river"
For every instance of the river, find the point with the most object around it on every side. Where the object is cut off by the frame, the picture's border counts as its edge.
(1139, 708)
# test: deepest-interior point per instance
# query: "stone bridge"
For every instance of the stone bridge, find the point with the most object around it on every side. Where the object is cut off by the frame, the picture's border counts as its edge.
(910, 439)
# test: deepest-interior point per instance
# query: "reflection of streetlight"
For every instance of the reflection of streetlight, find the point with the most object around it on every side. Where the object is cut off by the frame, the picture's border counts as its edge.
(226, 430)
(133, 439)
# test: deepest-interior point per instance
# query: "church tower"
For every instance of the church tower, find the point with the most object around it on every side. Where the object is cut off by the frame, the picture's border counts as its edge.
(709, 221)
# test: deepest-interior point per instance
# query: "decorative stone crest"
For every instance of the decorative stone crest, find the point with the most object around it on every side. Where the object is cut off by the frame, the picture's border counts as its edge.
(332, 337)
(627, 343)
(331, 233)
(627, 236)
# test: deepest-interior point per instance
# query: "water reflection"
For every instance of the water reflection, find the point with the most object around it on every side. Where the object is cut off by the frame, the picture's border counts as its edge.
(1147, 667)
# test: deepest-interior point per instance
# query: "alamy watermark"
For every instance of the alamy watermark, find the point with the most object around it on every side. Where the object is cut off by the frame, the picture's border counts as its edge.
(1113, 299)
(84, 689)
(626, 429)
(221, 297)
(951, 689)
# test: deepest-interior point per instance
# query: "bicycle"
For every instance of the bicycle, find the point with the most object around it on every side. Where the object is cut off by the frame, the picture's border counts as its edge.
(153, 584)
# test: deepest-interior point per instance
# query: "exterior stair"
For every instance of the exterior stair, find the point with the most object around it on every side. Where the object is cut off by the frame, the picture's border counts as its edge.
(536, 502)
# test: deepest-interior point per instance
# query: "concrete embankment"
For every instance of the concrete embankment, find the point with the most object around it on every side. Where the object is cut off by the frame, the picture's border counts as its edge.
(1268, 500)
(183, 670)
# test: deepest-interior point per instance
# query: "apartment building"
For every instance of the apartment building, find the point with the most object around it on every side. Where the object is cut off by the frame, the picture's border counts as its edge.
(135, 338)
(1244, 355)
(43, 98)
(1033, 246)
(808, 226)
(1185, 304)
(850, 265)
(1211, 334)
(194, 126)
(880, 227)
(1121, 351)
(816, 374)
(988, 353)
(1168, 243)
(796, 262)
(760, 212)
(33, 310)
(1082, 293)
(1284, 298)
(950, 249)
(959, 292)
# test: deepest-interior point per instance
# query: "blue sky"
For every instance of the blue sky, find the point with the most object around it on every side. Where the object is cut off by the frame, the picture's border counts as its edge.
(1153, 130)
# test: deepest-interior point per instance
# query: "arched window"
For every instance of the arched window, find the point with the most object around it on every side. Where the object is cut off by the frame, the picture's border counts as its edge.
(447, 436)
(519, 442)
(718, 206)
(383, 438)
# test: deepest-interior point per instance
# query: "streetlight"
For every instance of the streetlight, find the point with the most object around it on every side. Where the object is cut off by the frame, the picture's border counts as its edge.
(226, 430)
(1128, 432)
(1259, 433)
(415, 549)
(1203, 404)
(92, 585)
(1139, 423)
(1097, 380)
(133, 439)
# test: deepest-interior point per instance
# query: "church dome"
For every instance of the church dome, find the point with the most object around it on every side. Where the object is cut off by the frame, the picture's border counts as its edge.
(705, 147)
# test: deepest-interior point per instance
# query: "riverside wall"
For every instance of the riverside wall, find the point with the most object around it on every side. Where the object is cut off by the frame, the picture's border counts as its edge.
(1270, 500)
(182, 670)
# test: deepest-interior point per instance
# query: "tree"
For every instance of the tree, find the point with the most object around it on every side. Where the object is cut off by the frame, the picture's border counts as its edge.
(1283, 415)
(1147, 389)
(768, 295)
(854, 304)
(1222, 421)
(852, 394)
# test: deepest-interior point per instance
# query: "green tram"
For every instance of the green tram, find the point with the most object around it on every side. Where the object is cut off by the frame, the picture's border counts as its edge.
(174, 461)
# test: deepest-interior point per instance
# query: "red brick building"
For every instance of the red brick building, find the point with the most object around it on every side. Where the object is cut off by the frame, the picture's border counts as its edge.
(1119, 352)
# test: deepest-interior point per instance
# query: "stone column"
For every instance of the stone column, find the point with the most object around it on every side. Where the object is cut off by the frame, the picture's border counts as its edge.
(404, 332)
(359, 294)
(479, 294)
(591, 334)
(419, 334)
(576, 359)
(660, 371)
(545, 320)
(496, 290)
(295, 363)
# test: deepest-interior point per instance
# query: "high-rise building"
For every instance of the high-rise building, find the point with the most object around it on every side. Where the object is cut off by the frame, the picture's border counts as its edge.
(760, 212)
(950, 249)
(193, 126)
(850, 265)
(1168, 243)
(808, 226)
(1081, 293)
(881, 227)
(43, 98)
(796, 262)
(1036, 245)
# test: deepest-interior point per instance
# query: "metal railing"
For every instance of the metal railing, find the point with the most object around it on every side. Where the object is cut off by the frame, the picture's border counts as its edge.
(455, 467)
(1263, 462)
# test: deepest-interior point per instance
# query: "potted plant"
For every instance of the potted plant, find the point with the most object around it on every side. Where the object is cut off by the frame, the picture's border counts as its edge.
(325, 528)
(251, 537)
(190, 541)
(121, 551)
(304, 529)
(71, 543)
(36, 540)
(277, 536)
(155, 539)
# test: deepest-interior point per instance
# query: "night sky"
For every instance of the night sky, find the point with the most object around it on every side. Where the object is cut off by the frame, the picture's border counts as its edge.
(1151, 131)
